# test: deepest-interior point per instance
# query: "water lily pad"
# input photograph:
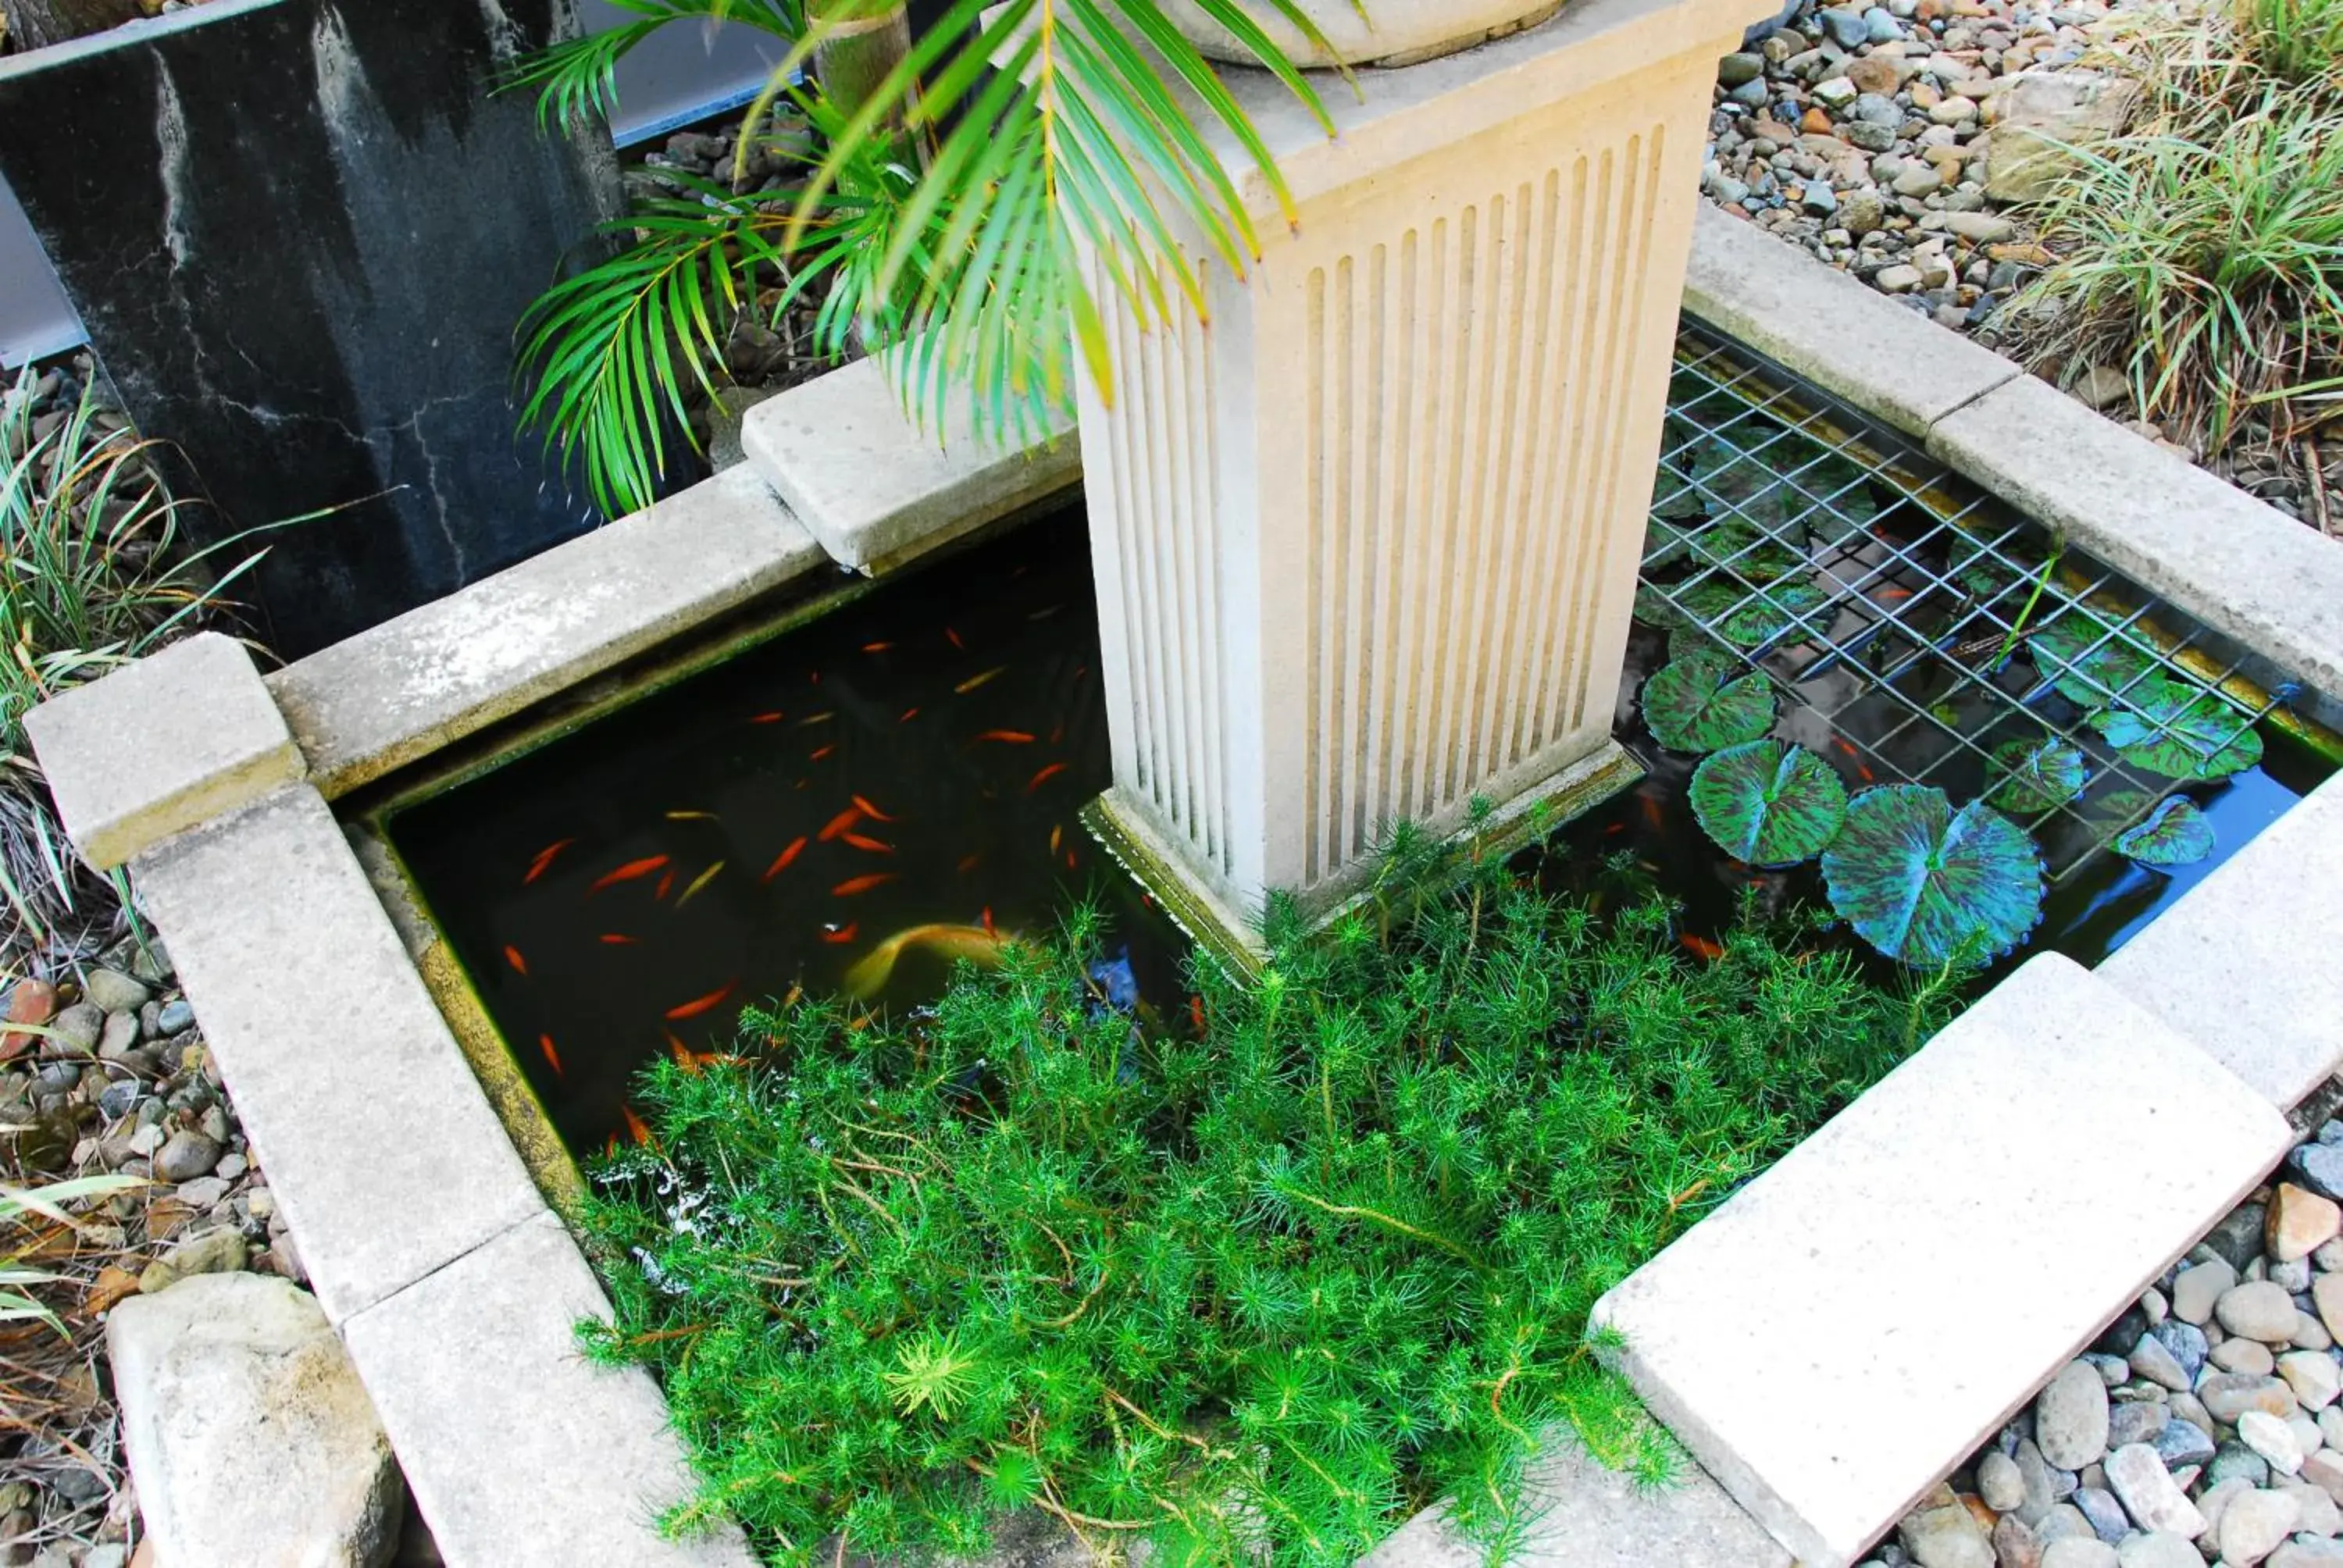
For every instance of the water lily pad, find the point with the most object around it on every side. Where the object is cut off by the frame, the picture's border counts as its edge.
(1747, 615)
(2114, 812)
(2177, 834)
(2088, 658)
(2179, 731)
(1694, 704)
(1981, 571)
(1654, 606)
(2030, 777)
(1768, 803)
(1741, 550)
(1929, 886)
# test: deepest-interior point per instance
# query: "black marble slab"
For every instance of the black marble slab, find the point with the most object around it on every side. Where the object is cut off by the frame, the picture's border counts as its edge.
(300, 232)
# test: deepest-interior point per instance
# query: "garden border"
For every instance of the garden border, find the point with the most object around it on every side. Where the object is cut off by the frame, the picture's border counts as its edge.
(233, 847)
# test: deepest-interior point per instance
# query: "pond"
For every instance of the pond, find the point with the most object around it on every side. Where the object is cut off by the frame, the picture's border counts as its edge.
(856, 802)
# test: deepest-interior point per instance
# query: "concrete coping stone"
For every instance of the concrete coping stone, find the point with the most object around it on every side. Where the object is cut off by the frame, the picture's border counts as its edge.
(160, 746)
(1846, 338)
(373, 702)
(376, 1136)
(1591, 1516)
(522, 1454)
(2243, 963)
(2244, 569)
(875, 487)
(1858, 1319)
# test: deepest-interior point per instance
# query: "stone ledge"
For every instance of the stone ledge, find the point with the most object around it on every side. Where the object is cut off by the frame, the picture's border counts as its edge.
(376, 1137)
(2243, 568)
(1855, 1321)
(2244, 964)
(376, 701)
(521, 1455)
(160, 746)
(876, 490)
(1594, 1517)
(1832, 329)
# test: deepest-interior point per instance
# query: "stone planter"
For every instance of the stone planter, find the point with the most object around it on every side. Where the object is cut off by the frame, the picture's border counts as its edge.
(1391, 31)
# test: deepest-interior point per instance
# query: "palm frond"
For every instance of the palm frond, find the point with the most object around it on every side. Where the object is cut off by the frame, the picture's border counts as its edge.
(576, 79)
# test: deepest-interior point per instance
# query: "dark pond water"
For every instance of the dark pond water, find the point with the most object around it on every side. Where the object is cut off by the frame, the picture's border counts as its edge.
(901, 778)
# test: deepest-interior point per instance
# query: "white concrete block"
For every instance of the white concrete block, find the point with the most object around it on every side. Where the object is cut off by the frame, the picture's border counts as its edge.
(1843, 337)
(161, 745)
(877, 488)
(410, 686)
(2242, 568)
(1853, 1321)
(378, 1141)
(2245, 962)
(1593, 1517)
(521, 1455)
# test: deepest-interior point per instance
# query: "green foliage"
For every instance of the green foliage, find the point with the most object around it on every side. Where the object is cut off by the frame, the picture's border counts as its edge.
(1929, 886)
(577, 78)
(2180, 731)
(2030, 777)
(1768, 803)
(91, 577)
(2203, 253)
(2177, 834)
(1257, 1294)
(2297, 42)
(1691, 705)
(1024, 169)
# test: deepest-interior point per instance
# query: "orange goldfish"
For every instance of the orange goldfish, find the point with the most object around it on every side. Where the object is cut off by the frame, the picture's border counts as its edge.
(512, 957)
(782, 861)
(552, 1057)
(1043, 777)
(630, 871)
(544, 859)
(862, 884)
(700, 1004)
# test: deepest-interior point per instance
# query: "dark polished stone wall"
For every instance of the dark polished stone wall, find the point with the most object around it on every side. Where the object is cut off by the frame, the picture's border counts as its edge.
(300, 232)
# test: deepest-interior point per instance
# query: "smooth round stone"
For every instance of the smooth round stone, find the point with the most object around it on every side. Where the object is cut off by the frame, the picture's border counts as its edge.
(2228, 1395)
(2015, 1545)
(2238, 1237)
(2182, 1443)
(2259, 1310)
(1846, 29)
(2271, 1438)
(2314, 1377)
(2236, 1461)
(2196, 1289)
(1735, 69)
(2319, 1515)
(2293, 1278)
(2153, 1360)
(1999, 1484)
(2215, 1502)
(2164, 1549)
(2070, 1418)
(2064, 1522)
(2107, 1518)
(1879, 22)
(2131, 1420)
(2254, 1523)
(2311, 1335)
(2320, 1167)
(2250, 1358)
(2080, 1552)
(2186, 1342)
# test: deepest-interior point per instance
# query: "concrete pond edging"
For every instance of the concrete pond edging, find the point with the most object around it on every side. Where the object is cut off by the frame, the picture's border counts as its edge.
(445, 1269)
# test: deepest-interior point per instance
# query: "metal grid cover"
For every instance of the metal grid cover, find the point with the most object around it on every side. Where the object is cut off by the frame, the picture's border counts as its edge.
(1913, 627)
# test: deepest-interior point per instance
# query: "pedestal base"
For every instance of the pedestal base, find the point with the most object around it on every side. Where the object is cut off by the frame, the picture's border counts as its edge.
(1232, 936)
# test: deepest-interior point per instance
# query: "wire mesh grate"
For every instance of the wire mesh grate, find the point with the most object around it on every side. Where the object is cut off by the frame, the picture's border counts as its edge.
(1917, 631)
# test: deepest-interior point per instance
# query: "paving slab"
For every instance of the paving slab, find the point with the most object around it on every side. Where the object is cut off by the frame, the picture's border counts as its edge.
(2244, 962)
(161, 745)
(875, 487)
(403, 689)
(1595, 1517)
(378, 1141)
(2244, 569)
(1855, 1321)
(1840, 333)
(520, 1453)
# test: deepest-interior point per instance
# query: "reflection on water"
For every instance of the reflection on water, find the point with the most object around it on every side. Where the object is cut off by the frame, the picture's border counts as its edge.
(859, 802)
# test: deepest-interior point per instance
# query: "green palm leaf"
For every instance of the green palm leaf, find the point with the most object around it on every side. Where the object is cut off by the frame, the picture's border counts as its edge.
(575, 79)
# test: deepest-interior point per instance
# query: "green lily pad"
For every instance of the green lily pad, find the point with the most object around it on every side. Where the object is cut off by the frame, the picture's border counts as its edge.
(1654, 607)
(1980, 572)
(1746, 614)
(1768, 803)
(1741, 550)
(2177, 834)
(1692, 704)
(2030, 777)
(2115, 813)
(2087, 659)
(1929, 886)
(2179, 731)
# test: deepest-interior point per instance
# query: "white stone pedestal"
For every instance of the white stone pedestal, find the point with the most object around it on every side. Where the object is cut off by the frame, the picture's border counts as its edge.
(1366, 543)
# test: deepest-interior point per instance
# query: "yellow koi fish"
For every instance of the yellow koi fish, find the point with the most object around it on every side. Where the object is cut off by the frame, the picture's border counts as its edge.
(870, 973)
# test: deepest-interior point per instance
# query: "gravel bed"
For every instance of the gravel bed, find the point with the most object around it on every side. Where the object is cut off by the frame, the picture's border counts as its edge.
(1861, 133)
(2203, 1426)
(126, 1086)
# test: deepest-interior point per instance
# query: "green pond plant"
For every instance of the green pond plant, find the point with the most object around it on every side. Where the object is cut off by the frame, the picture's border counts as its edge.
(1250, 1279)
